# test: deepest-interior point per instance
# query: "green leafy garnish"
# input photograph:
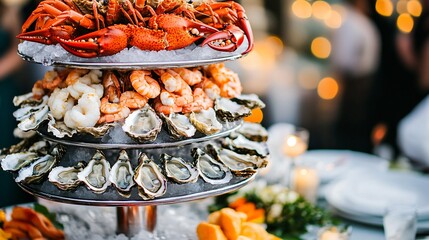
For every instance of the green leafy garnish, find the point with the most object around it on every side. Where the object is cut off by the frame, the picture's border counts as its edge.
(51, 216)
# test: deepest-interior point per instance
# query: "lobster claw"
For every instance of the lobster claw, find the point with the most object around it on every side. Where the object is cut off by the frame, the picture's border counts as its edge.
(49, 35)
(231, 33)
(104, 42)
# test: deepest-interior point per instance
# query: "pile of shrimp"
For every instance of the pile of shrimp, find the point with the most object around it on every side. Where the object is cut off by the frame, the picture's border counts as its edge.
(83, 98)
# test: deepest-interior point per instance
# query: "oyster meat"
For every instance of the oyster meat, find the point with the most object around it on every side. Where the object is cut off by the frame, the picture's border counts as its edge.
(96, 174)
(245, 146)
(239, 164)
(27, 110)
(35, 118)
(143, 125)
(230, 111)
(152, 183)
(179, 170)
(59, 128)
(121, 174)
(210, 170)
(65, 178)
(253, 131)
(24, 99)
(206, 121)
(16, 161)
(36, 170)
(18, 133)
(179, 125)
(251, 101)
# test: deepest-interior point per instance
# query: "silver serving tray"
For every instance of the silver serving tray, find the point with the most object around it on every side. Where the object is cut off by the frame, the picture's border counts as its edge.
(123, 141)
(176, 193)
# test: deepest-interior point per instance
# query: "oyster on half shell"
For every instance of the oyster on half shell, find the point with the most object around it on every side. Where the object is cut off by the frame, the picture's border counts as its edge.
(148, 176)
(239, 164)
(121, 174)
(59, 128)
(179, 170)
(244, 146)
(16, 161)
(143, 125)
(206, 121)
(35, 118)
(36, 170)
(210, 170)
(26, 110)
(252, 131)
(251, 101)
(179, 125)
(98, 131)
(65, 178)
(96, 174)
(230, 111)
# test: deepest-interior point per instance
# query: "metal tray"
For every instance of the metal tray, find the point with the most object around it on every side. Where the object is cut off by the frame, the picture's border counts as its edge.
(176, 193)
(119, 139)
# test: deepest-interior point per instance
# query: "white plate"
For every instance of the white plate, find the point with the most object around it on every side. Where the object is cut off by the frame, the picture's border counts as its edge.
(371, 192)
(332, 164)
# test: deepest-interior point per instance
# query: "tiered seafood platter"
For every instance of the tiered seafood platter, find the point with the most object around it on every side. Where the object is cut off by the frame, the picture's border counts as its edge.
(100, 131)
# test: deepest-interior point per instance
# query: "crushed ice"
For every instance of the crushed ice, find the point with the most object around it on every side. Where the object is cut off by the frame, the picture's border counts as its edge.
(50, 54)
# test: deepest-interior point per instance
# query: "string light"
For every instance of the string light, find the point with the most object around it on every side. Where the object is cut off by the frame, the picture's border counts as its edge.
(334, 20)
(301, 9)
(405, 22)
(384, 7)
(414, 7)
(321, 9)
(327, 88)
(321, 47)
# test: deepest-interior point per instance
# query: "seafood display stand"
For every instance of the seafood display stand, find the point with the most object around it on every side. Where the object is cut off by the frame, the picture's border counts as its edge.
(134, 213)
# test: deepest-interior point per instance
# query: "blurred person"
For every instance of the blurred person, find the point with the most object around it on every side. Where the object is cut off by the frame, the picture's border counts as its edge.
(355, 56)
(10, 64)
(413, 130)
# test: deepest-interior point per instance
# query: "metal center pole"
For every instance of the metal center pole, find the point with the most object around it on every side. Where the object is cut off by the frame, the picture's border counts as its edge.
(131, 220)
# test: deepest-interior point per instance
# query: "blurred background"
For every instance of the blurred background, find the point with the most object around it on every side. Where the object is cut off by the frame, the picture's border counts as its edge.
(347, 70)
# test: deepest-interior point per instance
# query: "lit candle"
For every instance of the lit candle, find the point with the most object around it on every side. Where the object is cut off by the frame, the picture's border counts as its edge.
(294, 146)
(306, 182)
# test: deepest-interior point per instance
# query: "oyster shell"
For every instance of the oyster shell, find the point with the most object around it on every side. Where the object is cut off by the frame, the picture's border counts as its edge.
(98, 131)
(143, 125)
(230, 111)
(59, 128)
(35, 118)
(251, 101)
(211, 170)
(179, 170)
(179, 125)
(242, 165)
(40, 147)
(253, 132)
(245, 146)
(152, 183)
(206, 121)
(121, 174)
(26, 110)
(36, 170)
(16, 161)
(96, 174)
(65, 178)
(18, 133)
(24, 99)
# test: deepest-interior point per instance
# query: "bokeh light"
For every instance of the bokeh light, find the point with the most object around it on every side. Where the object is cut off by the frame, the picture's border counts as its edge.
(414, 7)
(334, 20)
(321, 47)
(384, 7)
(301, 9)
(321, 9)
(327, 88)
(405, 22)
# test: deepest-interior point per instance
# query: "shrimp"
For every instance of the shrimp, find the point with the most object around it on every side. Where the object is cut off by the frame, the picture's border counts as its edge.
(227, 80)
(133, 100)
(79, 88)
(112, 87)
(144, 84)
(167, 110)
(210, 88)
(85, 114)
(177, 91)
(51, 80)
(38, 90)
(108, 118)
(74, 75)
(107, 107)
(191, 77)
(171, 80)
(201, 102)
(60, 102)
